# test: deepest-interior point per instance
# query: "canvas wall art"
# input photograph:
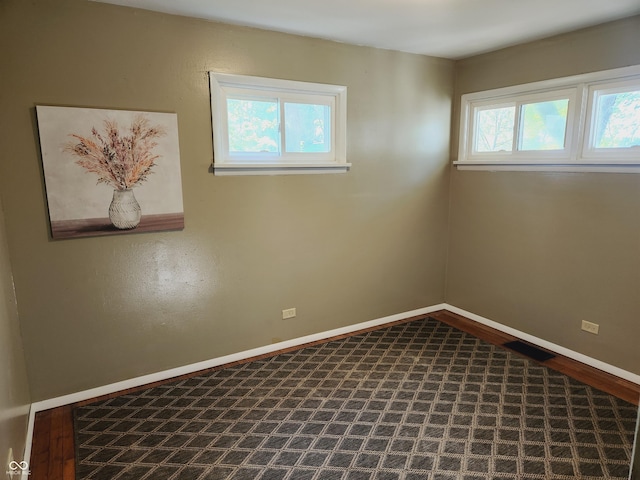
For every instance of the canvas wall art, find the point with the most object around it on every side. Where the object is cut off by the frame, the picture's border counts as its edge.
(110, 171)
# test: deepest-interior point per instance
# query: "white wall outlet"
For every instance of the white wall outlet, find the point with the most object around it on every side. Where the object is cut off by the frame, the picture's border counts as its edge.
(288, 313)
(590, 327)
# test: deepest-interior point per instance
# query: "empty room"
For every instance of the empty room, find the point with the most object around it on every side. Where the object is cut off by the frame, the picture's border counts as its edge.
(391, 240)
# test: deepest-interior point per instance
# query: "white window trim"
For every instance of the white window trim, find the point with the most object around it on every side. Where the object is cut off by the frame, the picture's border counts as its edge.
(578, 156)
(290, 163)
(518, 101)
(588, 150)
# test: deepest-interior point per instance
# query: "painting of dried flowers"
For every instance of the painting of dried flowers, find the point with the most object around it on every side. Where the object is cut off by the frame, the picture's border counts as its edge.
(110, 171)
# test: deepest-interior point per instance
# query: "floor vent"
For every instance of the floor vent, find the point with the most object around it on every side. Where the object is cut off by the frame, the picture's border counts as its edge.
(529, 350)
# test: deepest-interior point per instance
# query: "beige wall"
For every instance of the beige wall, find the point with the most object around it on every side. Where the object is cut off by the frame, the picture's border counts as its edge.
(14, 391)
(539, 252)
(342, 249)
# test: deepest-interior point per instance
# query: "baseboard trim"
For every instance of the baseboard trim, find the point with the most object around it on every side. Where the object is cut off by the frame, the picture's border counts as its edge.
(267, 349)
(194, 367)
(592, 362)
(215, 362)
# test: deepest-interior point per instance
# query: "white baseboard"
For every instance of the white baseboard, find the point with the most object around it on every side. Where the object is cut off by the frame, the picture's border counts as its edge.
(592, 362)
(195, 367)
(215, 362)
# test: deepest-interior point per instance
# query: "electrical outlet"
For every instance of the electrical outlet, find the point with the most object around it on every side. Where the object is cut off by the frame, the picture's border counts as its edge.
(288, 313)
(590, 327)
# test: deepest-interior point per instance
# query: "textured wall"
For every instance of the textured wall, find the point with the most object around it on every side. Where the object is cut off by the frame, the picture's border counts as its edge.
(541, 251)
(14, 391)
(342, 249)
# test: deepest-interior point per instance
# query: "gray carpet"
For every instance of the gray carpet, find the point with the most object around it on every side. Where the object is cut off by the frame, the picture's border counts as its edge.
(418, 401)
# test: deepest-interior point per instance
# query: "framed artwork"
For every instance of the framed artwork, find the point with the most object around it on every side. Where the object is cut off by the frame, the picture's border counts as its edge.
(110, 171)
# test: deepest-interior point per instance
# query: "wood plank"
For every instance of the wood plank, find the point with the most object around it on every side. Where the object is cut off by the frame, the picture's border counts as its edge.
(55, 444)
(53, 453)
(476, 329)
(39, 462)
(68, 447)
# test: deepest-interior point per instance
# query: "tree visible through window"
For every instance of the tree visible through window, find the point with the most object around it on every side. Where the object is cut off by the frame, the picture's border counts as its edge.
(588, 122)
(617, 123)
(268, 126)
(253, 126)
(495, 129)
(542, 127)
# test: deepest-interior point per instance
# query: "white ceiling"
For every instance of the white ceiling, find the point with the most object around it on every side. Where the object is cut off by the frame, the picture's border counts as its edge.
(442, 28)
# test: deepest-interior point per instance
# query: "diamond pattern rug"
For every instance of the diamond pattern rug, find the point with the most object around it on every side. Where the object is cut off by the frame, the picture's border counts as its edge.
(416, 401)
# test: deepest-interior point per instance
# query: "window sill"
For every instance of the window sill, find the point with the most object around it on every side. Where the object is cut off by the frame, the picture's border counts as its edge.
(622, 166)
(222, 169)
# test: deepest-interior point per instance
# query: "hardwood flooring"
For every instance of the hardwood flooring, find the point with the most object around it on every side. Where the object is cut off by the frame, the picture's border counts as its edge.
(52, 451)
(53, 455)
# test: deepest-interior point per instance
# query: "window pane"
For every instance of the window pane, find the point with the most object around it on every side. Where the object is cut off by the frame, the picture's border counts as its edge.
(617, 122)
(307, 127)
(253, 126)
(494, 131)
(544, 125)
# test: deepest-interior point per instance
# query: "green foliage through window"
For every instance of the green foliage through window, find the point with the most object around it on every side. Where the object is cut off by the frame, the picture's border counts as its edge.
(588, 122)
(253, 126)
(544, 125)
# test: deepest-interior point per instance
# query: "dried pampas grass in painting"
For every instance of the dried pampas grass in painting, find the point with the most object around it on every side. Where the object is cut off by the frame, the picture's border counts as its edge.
(121, 160)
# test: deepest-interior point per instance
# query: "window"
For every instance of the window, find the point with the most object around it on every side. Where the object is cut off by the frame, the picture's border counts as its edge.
(614, 121)
(584, 123)
(270, 126)
(494, 128)
(525, 126)
(544, 125)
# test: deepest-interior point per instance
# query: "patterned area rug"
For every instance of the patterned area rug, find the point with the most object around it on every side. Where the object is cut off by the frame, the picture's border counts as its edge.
(417, 401)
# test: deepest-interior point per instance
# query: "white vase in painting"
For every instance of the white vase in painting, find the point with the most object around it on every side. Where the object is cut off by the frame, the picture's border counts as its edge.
(124, 211)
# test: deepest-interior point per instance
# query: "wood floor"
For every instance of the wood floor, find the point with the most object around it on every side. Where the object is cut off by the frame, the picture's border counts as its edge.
(52, 453)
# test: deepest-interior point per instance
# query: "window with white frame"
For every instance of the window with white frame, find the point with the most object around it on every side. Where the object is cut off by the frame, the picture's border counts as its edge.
(272, 126)
(585, 123)
(613, 120)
